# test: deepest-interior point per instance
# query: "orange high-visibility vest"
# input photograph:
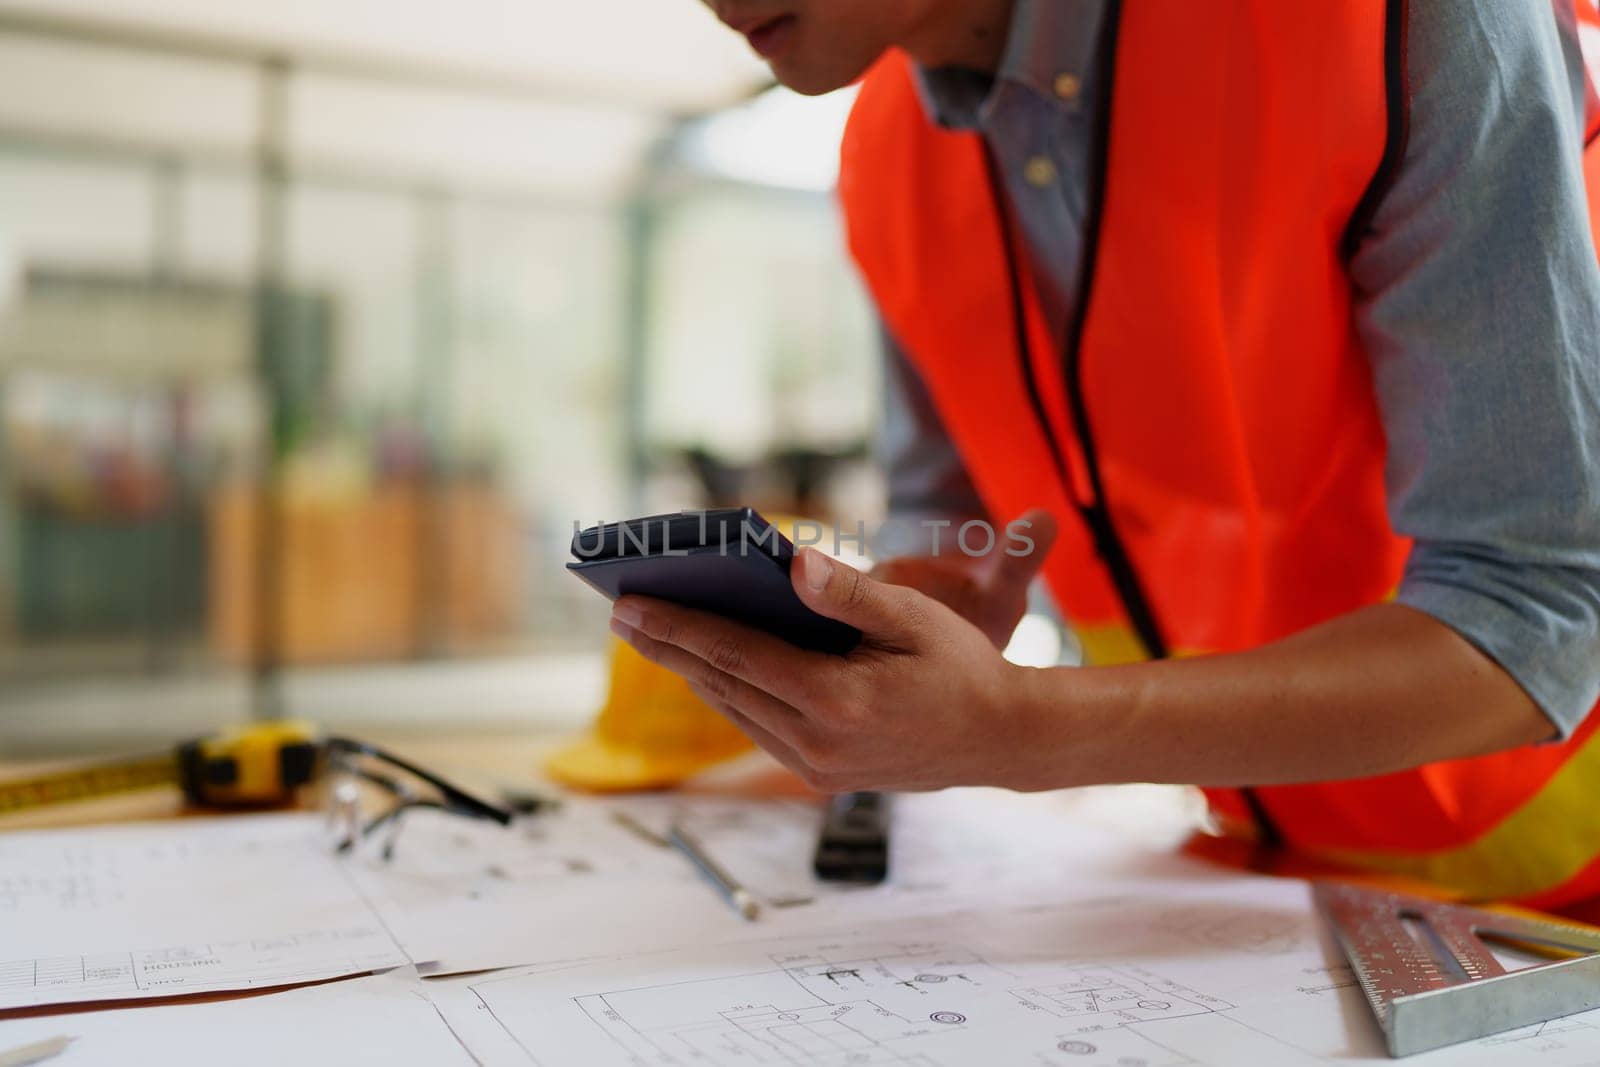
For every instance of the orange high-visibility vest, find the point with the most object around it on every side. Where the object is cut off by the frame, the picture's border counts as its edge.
(1211, 413)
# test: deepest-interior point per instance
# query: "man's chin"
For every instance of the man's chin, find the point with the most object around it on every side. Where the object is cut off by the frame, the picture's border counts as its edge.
(815, 80)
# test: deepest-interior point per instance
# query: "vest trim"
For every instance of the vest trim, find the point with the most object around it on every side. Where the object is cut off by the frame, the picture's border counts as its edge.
(1398, 99)
(1097, 513)
(1542, 850)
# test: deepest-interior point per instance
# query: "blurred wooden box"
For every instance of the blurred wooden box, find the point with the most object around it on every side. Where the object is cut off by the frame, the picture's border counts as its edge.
(387, 574)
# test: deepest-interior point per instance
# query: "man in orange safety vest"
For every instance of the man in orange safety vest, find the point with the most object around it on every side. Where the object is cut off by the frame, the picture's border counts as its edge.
(1279, 324)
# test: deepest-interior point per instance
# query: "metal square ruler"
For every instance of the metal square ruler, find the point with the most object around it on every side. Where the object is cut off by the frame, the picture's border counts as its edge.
(1431, 977)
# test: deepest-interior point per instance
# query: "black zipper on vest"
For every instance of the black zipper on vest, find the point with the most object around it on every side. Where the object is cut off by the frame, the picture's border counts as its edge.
(1397, 102)
(1095, 513)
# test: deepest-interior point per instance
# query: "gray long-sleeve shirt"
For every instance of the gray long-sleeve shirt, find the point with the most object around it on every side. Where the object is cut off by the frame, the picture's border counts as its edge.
(1478, 297)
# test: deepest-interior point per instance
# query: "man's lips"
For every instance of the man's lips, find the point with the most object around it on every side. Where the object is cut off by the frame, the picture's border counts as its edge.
(767, 34)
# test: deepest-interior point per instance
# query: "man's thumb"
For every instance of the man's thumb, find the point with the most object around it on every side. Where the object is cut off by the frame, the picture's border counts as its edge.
(1028, 540)
(841, 592)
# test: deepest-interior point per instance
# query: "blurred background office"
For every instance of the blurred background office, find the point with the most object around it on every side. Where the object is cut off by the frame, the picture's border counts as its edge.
(321, 323)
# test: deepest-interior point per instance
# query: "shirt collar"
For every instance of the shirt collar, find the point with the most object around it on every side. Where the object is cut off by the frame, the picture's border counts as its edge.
(1045, 40)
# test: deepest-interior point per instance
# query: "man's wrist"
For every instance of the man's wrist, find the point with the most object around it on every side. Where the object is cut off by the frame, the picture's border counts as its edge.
(1064, 726)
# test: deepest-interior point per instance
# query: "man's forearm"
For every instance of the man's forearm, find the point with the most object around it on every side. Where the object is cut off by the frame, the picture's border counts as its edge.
(1375, 691)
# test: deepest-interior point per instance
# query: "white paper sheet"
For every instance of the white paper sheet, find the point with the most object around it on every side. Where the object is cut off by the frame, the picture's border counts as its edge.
(462, 896)
(384, 1020)
(178, 907)
(1217, 972)
(944, 846)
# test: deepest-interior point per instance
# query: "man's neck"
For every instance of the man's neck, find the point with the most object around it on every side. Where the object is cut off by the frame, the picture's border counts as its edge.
(961, 33)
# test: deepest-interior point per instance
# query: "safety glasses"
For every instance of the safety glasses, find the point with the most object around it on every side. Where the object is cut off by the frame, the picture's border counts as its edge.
(369, 792)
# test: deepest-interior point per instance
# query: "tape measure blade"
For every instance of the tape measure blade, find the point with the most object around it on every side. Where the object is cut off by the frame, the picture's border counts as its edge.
(86, 783)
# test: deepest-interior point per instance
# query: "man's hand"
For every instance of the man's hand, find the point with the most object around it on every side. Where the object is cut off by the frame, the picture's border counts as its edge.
(924, 702)
(989, 591)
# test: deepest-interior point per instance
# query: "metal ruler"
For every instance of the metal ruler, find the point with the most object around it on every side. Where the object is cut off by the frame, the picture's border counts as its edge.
(1429, 973)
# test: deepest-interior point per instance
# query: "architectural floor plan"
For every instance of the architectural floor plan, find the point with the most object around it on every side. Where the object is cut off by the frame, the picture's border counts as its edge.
(1135, 980)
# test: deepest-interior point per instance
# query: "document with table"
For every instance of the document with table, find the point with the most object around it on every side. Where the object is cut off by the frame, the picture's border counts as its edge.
(1006, 934)
(187, 906)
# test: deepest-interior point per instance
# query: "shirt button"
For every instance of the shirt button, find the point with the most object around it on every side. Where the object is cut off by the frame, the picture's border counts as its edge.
(1068, 86)
(1039, 172)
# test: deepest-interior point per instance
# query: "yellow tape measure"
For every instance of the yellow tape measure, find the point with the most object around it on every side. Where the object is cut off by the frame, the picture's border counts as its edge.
(254, 766)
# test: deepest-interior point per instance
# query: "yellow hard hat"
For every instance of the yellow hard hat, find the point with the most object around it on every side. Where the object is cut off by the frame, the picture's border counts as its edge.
(653, 732)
